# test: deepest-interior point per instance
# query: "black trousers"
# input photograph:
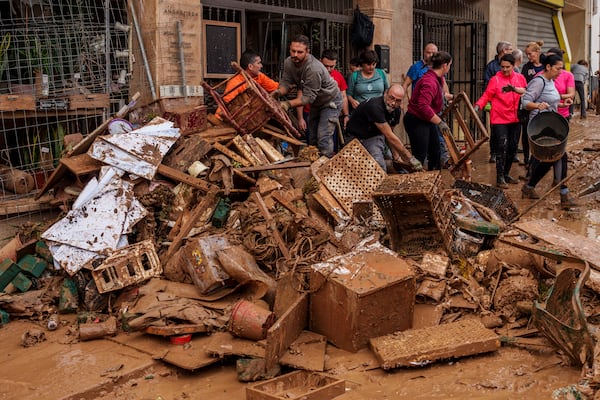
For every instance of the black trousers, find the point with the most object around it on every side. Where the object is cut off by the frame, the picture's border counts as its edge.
(580, 89)
(539, 169)
(505, 138)
(424, 141)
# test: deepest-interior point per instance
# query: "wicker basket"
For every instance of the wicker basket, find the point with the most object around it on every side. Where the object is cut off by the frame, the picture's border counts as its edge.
(407, 203)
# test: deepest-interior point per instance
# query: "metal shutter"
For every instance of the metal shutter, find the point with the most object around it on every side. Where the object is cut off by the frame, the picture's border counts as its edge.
(535, 23)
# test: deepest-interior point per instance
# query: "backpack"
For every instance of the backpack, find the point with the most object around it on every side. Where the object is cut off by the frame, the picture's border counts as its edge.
(362, 29)
(523, 114)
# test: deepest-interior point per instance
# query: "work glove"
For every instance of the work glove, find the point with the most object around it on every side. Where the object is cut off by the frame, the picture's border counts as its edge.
(285, 105)
(443, 126)
(415, 164)
(275, 94)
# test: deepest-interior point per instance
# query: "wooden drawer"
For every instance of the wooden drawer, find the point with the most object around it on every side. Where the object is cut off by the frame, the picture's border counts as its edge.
(17, 102)
(96, 100)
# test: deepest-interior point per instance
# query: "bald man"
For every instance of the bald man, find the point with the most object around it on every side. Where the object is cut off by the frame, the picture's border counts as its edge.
(372, 123)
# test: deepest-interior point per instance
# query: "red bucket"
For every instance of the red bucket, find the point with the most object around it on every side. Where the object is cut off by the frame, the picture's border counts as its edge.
(250, 321)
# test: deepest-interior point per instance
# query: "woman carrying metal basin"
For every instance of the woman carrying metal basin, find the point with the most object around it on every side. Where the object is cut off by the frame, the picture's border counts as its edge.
(547, 135)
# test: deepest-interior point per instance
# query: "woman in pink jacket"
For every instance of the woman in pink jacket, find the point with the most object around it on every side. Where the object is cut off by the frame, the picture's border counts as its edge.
(504, 90)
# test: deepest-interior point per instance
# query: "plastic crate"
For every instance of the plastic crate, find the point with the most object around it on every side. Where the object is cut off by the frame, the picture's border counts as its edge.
(489, 196)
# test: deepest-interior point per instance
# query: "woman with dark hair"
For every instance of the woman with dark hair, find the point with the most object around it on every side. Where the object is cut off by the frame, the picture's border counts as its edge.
(530, 69)
(367, 82)
(422, 119)
(541, 96)
(504, 91)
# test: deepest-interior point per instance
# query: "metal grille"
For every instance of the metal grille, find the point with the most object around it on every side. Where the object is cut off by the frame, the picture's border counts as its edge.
(465, 39)
(293, 7)
(268, 25)
(457, 8)
(63, 67)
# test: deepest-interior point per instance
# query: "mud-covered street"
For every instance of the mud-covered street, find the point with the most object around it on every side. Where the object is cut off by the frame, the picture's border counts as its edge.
(497, 288)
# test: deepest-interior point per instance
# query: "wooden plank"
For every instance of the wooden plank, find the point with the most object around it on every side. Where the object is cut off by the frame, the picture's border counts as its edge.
(225, 344)
(563, 238)
(217, 131)
(186, 357)
(186, 151)
(179, 176)
(262, 207)
(286, 330)
(231, 154)
(330, 204)
(221, 139)
(81, 164)
(418, 347)
(256, 149)
(283, 137)
(245, 177)
(300, 164)
(206, 203)
(307, 352)
(171, 330)
(246, 151)
(270, 151)
(28, 204)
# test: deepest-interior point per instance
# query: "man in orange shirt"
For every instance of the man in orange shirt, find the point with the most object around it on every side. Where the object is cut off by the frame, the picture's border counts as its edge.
(252, 64)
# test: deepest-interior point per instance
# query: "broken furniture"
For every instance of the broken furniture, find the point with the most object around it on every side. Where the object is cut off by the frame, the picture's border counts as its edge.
(460, 165)
(419, 347)
(361, 295)
(562, 319)
(352, 175)
(250, 110)
(406, 202)
(297, 385)
(127, 266)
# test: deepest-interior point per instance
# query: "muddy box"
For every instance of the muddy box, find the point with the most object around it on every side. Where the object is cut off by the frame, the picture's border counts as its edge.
(361, 295)
(303, 385)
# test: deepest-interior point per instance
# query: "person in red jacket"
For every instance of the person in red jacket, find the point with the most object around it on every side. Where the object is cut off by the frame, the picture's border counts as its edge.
(424, 107)
(504, 91)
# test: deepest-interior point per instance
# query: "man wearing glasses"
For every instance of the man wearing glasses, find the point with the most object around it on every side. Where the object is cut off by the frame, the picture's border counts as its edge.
(372, 123)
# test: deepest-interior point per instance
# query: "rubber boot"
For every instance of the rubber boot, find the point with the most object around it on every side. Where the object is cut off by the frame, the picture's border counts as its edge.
(567, 202)
(501, 183)
(529, 193)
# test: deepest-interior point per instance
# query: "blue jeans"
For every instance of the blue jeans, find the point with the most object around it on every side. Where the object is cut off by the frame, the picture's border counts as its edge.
(322, 122)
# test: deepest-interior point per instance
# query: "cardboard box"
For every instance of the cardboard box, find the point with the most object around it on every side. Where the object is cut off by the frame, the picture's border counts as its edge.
(361, 295)
(303, 385)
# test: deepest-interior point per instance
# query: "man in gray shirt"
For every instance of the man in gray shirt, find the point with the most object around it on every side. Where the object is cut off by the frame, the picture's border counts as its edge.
(315, 87)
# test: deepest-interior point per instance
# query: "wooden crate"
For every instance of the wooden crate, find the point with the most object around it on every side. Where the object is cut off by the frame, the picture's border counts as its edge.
(303, 385)
(361, 295)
